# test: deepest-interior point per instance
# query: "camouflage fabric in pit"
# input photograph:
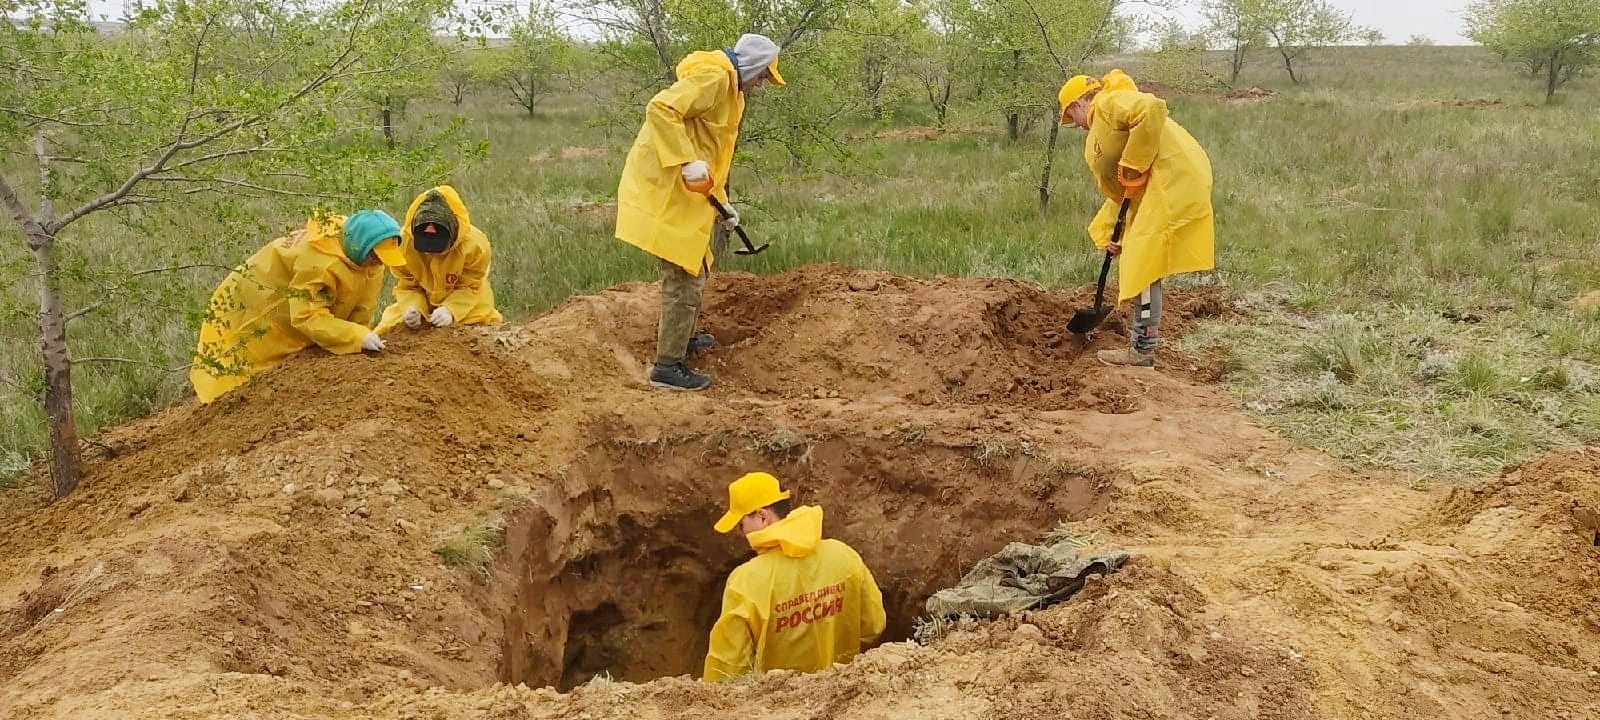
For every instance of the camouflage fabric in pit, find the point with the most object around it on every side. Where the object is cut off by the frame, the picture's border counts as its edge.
(1021, 577)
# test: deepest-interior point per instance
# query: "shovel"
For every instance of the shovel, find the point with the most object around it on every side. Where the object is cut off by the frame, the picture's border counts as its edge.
(1086, 319)
(749, 247)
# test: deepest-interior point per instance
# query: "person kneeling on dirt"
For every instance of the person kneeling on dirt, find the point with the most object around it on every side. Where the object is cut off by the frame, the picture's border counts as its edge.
(802, 603)
(1135, 151)
(445, 280)
(682, 154)
(318, 285)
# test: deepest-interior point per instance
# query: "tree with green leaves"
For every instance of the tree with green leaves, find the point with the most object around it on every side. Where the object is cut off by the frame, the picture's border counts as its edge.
(642, 42)
(421, 28)
(536, 59)
(1295, 27)
(1178, 58)
(1237, 26)
(879, 33)
(940, 55)
(1553, 40)
(1027, 48)
(197, 109)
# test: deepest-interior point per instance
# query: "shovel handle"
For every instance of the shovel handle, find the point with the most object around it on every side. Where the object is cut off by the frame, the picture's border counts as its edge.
(1105, 266)
(723, 211)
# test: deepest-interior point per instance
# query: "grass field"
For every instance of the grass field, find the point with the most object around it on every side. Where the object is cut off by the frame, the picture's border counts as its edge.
(1356, 215)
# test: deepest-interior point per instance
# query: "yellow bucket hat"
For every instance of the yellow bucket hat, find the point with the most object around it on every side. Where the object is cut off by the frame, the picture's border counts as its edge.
(1075, 87)
(748, 494)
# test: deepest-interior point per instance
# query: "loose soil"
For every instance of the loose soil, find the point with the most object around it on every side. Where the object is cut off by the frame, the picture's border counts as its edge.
(293, 550)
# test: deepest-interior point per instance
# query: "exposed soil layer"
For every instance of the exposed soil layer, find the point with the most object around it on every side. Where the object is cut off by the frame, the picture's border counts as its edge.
(309, 547)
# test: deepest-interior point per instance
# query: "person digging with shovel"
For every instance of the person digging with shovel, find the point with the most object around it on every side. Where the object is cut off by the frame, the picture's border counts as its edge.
(1156, 180)
(681, 158)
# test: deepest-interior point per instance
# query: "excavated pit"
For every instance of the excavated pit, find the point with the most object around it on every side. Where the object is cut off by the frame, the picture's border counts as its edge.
(625, 578)
(280, 553)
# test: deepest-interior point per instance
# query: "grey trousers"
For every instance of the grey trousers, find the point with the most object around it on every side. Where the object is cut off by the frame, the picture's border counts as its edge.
(1146, 319)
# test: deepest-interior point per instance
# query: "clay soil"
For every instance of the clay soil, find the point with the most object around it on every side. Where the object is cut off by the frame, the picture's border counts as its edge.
(282, 553)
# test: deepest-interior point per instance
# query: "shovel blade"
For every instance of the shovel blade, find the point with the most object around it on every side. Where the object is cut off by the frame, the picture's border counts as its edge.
(1086, 319)
(752, 250)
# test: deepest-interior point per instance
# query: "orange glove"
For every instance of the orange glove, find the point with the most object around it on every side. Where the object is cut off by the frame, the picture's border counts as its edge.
(1133, 181)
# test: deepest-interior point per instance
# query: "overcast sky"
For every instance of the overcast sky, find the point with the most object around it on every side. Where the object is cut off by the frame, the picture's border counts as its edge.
(1439, 20)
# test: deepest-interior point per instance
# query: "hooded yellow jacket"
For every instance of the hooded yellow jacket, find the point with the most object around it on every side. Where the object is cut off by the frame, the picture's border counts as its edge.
(697, 118)
(457, 278)
(298, 290)
(1169, 229)
(802, 603)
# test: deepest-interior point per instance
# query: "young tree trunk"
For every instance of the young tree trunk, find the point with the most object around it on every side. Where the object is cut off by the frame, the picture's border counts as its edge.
(1552, 78)
(1049, 163)
(461, 90)
(388, 120)
(1013, 120)
(65, 464)
(872, 80)
(943, 106)
(1288, 64)
(1236, 64)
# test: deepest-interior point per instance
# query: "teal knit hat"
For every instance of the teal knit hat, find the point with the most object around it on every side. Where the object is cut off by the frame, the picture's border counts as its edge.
(364, 230)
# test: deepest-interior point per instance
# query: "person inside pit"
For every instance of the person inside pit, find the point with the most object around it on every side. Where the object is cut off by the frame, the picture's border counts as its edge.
(1135, 151)
(682, 154)
(445, 279)
(317, 285)
(803, 603)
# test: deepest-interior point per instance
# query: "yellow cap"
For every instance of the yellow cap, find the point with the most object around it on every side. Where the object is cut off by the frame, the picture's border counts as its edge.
(748, 494)
(1075, 87)
(772, 71)
(389, 252)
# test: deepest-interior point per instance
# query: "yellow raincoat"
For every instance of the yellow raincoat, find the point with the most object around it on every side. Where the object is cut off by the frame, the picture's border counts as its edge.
(697, 118)
(802, 603)
(457, 278)
(298, 290)
(1169, 229)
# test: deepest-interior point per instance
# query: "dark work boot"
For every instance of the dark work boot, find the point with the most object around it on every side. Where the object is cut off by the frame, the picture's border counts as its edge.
(678, 377)
(702, 341)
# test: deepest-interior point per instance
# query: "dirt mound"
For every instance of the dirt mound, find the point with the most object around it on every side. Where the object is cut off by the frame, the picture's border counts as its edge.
(1479, 103)
(1247, 95)
(480, 511)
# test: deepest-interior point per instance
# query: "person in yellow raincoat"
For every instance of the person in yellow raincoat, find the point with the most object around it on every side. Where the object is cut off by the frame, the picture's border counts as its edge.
(684, 151)
(1134, 150)
(318, 285)
(802, 603)
(445, 279)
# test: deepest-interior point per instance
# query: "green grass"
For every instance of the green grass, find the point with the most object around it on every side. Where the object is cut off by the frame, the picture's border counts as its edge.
(1351, 211)
(1409, 389)
(471, 549)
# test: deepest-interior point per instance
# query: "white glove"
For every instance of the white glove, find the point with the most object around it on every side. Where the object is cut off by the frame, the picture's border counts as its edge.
(372, 342)
(441, 317)
(731, 221)
(412, 318)
(696, 171)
